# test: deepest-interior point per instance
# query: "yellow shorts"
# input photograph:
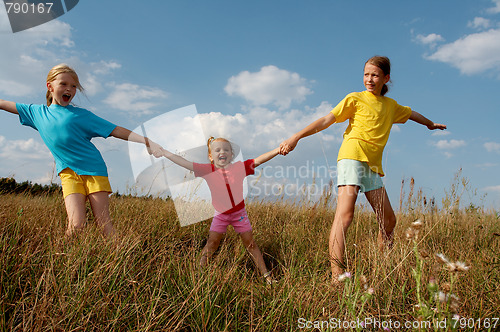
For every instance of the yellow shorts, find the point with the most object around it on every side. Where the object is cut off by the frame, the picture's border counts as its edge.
(73, 183)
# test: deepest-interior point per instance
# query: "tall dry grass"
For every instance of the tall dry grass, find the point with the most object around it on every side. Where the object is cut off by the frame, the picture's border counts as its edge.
(148, 279)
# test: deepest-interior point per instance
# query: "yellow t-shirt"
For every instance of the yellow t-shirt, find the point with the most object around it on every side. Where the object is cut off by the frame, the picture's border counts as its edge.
(370, 122)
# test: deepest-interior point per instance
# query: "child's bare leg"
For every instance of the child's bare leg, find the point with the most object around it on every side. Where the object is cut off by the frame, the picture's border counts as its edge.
(344, 214)
(213, 243)
(386, 218)
(253, 249)
(76, 210)
(99, 202)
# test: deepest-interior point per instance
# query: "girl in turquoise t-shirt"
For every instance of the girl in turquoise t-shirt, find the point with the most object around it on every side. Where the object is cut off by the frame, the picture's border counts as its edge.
(67, 131)
(359, 162)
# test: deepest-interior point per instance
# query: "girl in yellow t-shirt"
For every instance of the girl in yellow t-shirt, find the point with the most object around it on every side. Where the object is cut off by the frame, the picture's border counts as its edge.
(359, 163)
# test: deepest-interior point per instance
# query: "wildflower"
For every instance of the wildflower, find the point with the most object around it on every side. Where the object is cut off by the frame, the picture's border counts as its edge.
(368, 294)
(432, 286)
(454, 302)
(446, 287)
(457, 267)
(410, 233)
(417, 224)
(442, 259)
(451, 267)
(344, 276)
(461, 267)
(441, 297)
(363, 281)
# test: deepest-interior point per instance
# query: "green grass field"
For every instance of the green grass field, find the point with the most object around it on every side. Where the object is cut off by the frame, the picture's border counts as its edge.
(148, 279)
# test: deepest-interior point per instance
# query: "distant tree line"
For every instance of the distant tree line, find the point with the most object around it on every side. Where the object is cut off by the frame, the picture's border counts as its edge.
(10, 186)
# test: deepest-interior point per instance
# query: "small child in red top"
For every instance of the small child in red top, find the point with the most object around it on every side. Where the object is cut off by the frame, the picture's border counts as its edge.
(225, 180)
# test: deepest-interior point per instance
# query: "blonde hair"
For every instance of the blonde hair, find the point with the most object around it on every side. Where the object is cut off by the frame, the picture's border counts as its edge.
(383, 63)
(60, 69)
(209, 145)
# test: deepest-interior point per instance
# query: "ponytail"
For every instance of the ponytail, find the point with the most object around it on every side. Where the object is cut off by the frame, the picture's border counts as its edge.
(48, 96)
(385, 89)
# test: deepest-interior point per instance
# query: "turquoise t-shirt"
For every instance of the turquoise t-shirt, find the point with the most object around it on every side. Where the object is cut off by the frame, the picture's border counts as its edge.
(67, 132)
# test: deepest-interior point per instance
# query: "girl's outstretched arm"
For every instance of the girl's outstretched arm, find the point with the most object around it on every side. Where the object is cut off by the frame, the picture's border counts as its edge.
(419, 118)
(8, 106)
(128, 135)
(177, 159)
(317, 126)
(266, 157)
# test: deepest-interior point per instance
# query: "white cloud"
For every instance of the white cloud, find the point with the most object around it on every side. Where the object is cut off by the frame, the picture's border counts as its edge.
(270, 85)
(479, 23)
(26, 159)
(492, 188)
(13, 88)
(104, 67)
(27, 56)
(441, 133)
(256, 129)
(492, 147)
(23, 149)
(396, 129)
(472, 54)
(448, 145)
(134, 98)
(486, 165)
(496, 8)
(431, 39)
(94, 75)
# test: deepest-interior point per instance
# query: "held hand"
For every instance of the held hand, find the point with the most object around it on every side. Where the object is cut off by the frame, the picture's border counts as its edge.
(436, 126)
(287, 146)
(154, 148)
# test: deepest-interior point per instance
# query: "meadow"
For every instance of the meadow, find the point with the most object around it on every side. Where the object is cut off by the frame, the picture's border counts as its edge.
(444, 268)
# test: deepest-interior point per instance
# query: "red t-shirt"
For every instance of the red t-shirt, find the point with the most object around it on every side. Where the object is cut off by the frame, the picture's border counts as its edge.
(226, 184)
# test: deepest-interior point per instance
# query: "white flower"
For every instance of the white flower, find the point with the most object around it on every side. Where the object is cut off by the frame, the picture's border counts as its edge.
(443, 259)
(344, 276)
(417, 224)
(442, 297)
(460, 266)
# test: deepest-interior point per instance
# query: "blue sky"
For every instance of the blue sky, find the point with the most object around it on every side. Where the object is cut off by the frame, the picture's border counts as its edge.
(258, 71)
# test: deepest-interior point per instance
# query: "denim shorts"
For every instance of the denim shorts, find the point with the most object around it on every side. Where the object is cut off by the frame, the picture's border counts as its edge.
(357, 173)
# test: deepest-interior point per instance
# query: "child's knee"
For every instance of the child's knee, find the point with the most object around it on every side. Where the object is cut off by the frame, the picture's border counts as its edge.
(103, 219)
(344, 218)
(212, 244)
(390, 223)
(77, 223)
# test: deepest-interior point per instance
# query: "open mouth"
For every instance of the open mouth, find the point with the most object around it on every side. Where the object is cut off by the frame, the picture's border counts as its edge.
(66, 97)
(222, 158)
